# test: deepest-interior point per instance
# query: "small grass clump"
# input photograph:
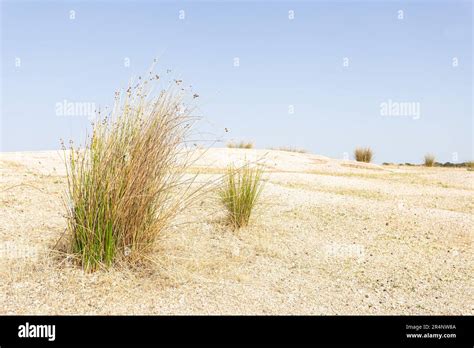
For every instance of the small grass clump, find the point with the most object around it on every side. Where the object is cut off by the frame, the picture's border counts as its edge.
(241, 145)
(122, 185)
(240, 192)
(429, 160)
(362, 154)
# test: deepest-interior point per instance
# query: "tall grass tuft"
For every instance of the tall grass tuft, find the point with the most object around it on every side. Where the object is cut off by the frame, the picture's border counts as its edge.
(240, 192)
(122, 185)
(429, 160)
(362, 154)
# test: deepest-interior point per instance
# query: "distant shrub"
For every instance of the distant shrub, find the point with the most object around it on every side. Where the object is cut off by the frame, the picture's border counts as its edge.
(363, 154)
(289, 149)
(470, 165)
(239, 193)
(429, 160)
(241, 145)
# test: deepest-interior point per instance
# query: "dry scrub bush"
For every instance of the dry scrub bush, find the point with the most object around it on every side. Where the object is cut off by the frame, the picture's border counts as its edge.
(429, 160)
(290, 149)
(363, 154)
(241, 145)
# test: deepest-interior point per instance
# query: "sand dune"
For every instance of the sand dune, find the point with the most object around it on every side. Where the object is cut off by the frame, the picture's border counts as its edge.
(330, 237)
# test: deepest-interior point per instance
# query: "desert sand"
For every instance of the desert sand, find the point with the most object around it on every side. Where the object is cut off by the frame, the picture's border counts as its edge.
(329, 237)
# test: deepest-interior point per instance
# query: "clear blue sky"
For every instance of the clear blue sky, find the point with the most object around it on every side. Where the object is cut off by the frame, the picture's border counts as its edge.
(283, 62)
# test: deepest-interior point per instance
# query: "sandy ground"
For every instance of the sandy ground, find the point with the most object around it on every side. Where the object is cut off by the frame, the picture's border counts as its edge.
(330, 237)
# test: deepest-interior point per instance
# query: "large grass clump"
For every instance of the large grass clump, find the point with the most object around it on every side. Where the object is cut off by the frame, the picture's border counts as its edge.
(240, 192)
(363, 154)
(429, 160)
(122, 185)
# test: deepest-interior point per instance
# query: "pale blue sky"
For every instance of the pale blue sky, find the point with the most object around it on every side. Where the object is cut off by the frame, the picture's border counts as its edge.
(283, 62)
